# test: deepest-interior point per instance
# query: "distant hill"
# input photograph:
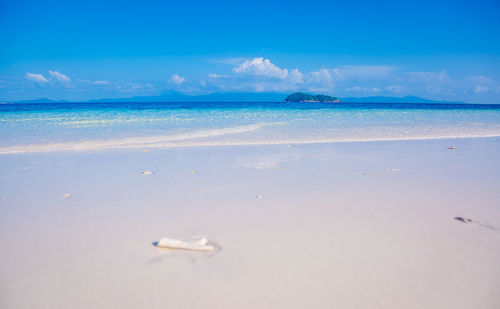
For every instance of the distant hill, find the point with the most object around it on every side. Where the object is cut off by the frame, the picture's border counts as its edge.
(381, 99)
(173, 96)
(41, 100)
(303, 97)
(212, 97)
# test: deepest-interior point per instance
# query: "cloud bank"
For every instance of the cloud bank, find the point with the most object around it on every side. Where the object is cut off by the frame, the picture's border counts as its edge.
(260, 74)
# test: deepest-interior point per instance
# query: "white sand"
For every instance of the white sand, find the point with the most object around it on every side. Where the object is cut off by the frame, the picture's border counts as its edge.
(335, 228)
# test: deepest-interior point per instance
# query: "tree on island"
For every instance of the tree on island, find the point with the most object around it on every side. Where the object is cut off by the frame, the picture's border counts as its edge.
(303, 97)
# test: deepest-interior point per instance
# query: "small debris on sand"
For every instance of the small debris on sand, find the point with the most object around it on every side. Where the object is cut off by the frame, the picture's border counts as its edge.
(282, 168)
(462, 219)
(145, 150)
(385, 172)
(200, 244)
(26, 168)
(146, 173)
(66, 195)
(480, 223)
(452, 148)
(194, 172)
(258, 196)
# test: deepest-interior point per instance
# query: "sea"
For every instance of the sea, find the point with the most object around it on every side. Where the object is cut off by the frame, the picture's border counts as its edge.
(47, 127)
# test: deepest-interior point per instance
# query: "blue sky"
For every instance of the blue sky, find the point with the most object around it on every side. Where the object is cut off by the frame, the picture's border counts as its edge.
(447, 50)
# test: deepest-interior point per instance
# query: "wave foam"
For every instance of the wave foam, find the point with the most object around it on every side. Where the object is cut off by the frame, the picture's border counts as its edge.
(157, 141)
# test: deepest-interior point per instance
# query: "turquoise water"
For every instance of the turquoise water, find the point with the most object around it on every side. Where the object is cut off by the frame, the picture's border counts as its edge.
(99, 126)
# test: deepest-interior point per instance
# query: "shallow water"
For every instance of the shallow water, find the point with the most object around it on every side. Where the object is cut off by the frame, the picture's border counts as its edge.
(100, 126)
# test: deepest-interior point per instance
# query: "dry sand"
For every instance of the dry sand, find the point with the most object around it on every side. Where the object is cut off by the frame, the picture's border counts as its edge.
(341, 225)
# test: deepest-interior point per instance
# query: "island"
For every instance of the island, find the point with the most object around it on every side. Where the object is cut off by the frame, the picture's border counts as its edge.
(303, 97)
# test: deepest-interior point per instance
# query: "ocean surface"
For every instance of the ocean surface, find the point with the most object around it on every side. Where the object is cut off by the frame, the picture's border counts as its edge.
(102, 126)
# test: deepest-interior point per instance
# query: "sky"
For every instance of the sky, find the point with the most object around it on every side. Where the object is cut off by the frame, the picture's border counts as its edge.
(81, 50)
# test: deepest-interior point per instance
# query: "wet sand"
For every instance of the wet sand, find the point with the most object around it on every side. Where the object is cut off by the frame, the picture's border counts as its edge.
(349, 225)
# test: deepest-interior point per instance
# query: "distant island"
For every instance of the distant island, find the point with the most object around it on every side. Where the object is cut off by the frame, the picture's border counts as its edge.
(303, 97)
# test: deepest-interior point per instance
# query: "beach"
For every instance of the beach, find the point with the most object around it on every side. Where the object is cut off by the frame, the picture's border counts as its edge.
(234, 155)
(339, 224)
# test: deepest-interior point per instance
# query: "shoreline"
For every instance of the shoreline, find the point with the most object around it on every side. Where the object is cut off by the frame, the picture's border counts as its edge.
(72, 147)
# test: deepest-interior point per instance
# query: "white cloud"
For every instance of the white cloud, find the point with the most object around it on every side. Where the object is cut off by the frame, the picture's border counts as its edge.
(134, 87)
(432, 82)
(296, 77)
(481, 84)
(481, 89)
(214, 75)
(260, 67)
(176, 79)
(428, 77)
(395, 88)
(260, 74)
(355, 88)
(228, 61)
(337, 73)
(363, 89)
(322, 76)
(101, 82)
(59, 76)
(38, 78)
(478, 79)
(360, 72)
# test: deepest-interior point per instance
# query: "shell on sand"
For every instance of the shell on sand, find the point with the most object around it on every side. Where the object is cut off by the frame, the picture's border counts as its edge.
(146, 173)
(200, 244)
